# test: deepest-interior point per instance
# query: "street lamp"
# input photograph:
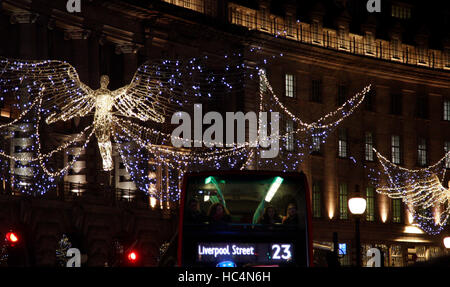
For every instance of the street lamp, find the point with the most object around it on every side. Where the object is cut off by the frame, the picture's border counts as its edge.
(447, 242)
(357, 206)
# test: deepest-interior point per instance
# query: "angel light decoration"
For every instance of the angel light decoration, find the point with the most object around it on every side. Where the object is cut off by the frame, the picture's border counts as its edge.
(63, 92)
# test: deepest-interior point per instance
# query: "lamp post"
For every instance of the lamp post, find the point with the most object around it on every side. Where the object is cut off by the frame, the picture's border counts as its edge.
(447, 242)
(357, 206)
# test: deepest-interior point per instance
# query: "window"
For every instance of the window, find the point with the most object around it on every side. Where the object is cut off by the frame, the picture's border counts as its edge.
(342, 144)
(343, 198)
(370, 43)
(368, 146)
(396, 104)
(395, 149)
(342, 95)
(315, 31)
(316, 91)
(422, 152)
(447, 110)
(395, 47)
(370, 100)
(401, 12)
(264, 22)
(397, 210)
(289, 135)
(342, 38)
(317, 199)
(422, 107)
(370, 198)
(421, 53)
(446, 150)
(316, 144)
(289, 86)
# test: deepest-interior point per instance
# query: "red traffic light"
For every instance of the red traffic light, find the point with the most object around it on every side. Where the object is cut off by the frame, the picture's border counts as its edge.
(12, 237)
(132, 256)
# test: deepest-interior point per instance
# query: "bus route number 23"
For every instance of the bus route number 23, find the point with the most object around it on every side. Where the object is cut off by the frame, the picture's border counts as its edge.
(281, 251)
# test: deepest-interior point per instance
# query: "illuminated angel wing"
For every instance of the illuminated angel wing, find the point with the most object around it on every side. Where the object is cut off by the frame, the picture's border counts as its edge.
(159, 89)
(64, 95)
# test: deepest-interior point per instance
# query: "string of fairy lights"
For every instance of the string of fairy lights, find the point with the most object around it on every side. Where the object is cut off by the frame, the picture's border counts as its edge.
(131, 116)
(420, 189)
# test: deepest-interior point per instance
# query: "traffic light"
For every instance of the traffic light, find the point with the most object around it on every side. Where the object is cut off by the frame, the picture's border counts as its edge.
(16, 249)
(132, 257)
(12, 238)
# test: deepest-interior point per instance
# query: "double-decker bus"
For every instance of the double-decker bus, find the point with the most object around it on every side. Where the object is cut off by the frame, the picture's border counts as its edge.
(245, 218)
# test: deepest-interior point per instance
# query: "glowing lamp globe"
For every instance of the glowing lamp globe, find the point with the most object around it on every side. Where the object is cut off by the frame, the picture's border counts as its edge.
(447, 242)
(357, 205)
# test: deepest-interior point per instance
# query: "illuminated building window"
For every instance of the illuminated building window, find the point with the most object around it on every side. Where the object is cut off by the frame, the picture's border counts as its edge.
(422, 152)
(395, 149)
(401, 12)
(368, 146)
(447, 158)
(395, 48)
(316, 91)
(396, 104)
(397, 210)
(342, 143)
(289, 87)
(421, 55)
(264, 20)
(343, 43)
(447, 110)
(316, 144)
(370, 43)
(315, 31)
(290, 135)
(370, 198)
(290, 26)
(342, 95)
(317, 199)
(343, 199)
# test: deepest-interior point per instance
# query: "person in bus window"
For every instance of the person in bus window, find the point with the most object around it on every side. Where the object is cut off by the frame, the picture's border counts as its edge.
(270, 216)
(218, 214)
(291, 214)
(194, 213)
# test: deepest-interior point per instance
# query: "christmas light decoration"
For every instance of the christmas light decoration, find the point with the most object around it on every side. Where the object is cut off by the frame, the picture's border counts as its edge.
(421, 190)
(134, 117)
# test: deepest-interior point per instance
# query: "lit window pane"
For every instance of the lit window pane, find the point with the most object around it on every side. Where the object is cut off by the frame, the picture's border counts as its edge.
(290, 85)
(368, 146)
(395, 149)
(343, 198)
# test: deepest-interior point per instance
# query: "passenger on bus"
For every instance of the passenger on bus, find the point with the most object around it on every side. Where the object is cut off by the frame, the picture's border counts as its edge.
(218, 214)
(291, 214)
(270, 216)
(194, 214)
